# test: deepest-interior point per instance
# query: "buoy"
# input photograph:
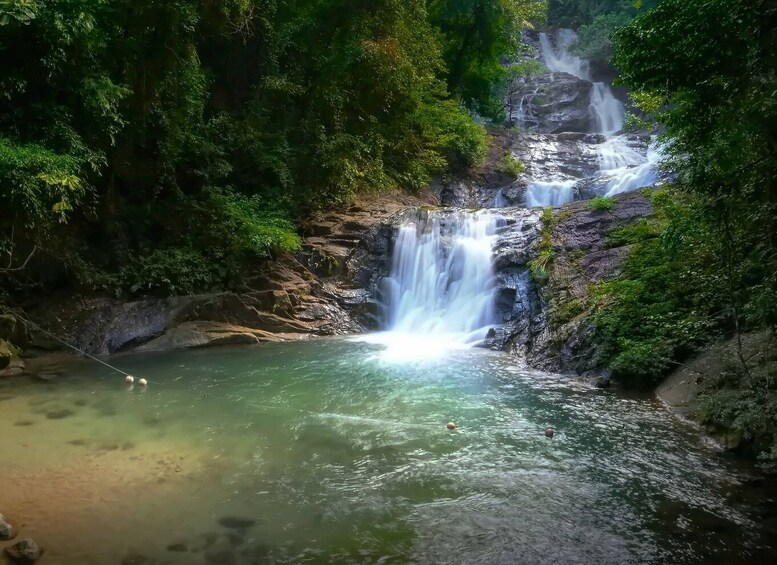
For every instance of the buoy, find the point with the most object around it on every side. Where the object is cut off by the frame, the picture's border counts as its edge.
(549, 432)
(451, 426)
(129, 379)
(142, 382)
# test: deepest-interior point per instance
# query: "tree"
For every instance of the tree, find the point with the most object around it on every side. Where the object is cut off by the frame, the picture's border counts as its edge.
(477, 36)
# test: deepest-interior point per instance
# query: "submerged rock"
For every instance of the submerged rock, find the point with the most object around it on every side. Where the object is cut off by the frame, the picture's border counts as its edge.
(7, 531)
(177, 547)
(24, 551)
(59, 414)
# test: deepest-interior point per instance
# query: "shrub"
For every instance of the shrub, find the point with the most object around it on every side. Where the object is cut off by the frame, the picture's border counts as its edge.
(512, 166)
(602, 203)
(636, 233)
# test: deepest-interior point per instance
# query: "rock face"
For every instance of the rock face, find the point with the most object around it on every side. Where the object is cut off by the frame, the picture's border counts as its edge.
(551, 103)
(545, 319)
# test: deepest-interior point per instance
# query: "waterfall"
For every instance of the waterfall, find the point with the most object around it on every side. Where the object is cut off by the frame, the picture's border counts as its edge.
(608, 112)
(559, 59)
(553, 193)
(441, 279)
(441, 289)
(633, 176)
(621, 167)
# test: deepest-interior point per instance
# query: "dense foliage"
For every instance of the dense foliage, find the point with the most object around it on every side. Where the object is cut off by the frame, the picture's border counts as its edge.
(152, 144)
(712, 65)
(596, 22)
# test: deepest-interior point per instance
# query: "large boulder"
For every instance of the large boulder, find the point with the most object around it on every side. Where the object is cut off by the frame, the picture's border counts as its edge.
(551, 103)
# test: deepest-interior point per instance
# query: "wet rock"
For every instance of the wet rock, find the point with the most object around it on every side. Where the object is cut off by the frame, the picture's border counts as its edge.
(551, 103)
(603, 382)
(13, 330)
(59, 414)
(7, 531)
(24, 551)
(236, 522)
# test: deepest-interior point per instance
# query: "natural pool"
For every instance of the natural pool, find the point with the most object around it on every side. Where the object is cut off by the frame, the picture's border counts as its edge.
(325, 451)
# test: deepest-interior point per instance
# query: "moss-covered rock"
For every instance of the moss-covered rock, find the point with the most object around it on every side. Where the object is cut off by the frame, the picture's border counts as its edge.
(10, 363)
(5, 354)
(12, 329)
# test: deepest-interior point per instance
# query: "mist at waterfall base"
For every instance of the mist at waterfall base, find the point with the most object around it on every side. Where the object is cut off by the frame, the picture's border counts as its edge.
(621, 167)
(439, 295)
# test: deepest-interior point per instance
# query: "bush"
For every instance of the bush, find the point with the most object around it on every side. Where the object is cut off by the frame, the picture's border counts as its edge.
(602, 203)
(512, 166)
(171, 270)
(636, 233)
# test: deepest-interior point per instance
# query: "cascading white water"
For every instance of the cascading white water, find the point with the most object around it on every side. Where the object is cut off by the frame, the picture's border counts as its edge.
(608, 112)
(442, 280)
(551, 193)
(440, 292)
(621, 167)
(558, 59)
(630, 176)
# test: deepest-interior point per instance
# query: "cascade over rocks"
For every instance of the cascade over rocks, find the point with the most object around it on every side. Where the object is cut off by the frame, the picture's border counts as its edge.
(326, 288)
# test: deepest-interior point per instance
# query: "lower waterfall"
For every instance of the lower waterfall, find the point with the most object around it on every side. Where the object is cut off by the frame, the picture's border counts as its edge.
(441, 288)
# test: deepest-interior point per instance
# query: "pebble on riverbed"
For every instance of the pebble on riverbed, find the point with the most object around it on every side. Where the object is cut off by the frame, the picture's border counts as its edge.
(59, 413)
(7, 531)
(24, 551)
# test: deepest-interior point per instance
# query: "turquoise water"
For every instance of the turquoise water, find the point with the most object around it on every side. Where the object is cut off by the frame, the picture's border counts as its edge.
(324, 451)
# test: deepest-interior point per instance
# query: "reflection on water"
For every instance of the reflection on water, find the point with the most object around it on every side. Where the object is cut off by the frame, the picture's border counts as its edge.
(323, 451)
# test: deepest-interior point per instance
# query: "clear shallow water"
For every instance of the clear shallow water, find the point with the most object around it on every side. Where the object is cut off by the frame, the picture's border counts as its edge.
(340, 455)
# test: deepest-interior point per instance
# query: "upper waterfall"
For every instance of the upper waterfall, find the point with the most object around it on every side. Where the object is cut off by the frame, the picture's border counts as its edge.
(558, 59)
(618, 163)
(608, 112)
